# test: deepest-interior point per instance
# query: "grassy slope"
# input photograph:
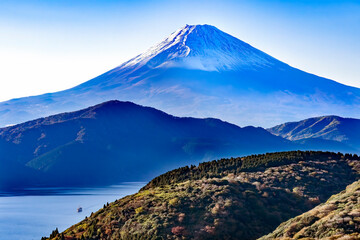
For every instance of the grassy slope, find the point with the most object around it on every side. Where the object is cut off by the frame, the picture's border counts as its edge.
(242, 198)
(338, 218)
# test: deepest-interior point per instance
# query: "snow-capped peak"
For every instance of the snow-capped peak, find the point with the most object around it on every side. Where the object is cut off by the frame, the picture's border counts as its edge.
(201, 47)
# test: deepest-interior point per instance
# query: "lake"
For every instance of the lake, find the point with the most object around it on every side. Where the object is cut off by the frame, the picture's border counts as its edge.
(40, 211)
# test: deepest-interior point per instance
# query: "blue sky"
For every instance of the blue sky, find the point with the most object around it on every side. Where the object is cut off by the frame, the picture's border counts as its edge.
(49, 45)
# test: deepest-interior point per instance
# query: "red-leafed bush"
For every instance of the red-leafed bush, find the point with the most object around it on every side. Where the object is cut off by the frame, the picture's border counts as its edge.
(178, 230)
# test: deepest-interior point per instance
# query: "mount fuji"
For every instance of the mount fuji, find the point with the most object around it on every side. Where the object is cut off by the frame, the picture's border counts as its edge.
(200, 71)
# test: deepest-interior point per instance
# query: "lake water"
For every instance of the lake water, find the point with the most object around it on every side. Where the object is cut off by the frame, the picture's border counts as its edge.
(39, 212)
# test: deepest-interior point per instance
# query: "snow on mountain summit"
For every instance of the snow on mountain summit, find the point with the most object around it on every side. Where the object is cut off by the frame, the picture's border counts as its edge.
(202, 47)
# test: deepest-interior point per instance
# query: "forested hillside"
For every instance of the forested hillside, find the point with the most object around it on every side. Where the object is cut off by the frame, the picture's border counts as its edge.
(237, 198)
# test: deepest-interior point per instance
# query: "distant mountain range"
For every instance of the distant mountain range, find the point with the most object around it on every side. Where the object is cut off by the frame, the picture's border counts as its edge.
(201, 71)
(345, 131)
(118, 141)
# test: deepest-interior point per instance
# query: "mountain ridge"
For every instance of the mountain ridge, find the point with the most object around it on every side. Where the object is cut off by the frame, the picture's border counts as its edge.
(334, 128)
(118, 141)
